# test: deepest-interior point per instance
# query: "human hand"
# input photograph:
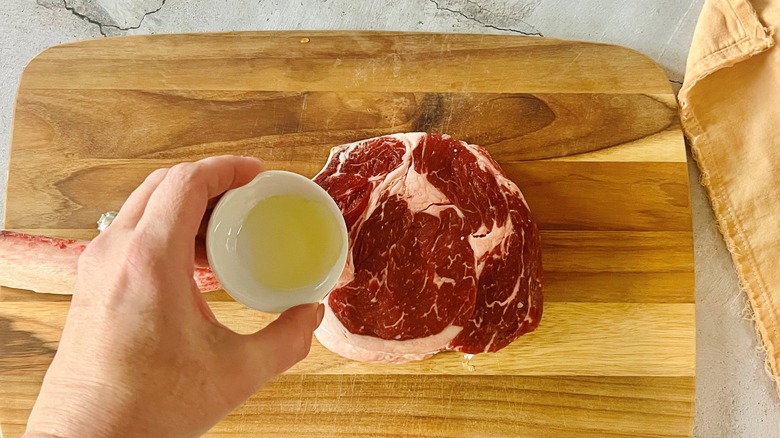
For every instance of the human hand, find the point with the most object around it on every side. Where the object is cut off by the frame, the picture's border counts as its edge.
(141, 353)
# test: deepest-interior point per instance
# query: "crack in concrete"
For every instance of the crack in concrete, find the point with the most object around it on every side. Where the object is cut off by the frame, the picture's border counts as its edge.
(100, 25)
(523, 13)
(476, 20)
(45, 5)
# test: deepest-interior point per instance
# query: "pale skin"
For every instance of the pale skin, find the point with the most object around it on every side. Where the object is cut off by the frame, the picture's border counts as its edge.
(141, 353)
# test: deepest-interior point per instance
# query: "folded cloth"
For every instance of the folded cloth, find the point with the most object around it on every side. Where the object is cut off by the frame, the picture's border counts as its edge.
(730, 111)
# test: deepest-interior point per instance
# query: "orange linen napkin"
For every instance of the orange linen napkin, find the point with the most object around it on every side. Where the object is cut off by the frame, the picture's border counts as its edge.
(730, 111)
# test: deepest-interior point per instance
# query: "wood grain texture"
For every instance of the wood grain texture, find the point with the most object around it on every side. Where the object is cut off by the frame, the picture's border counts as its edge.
(365, 61)
(440, 406)
(513, 126)
(564, 195)
(589, 132)
(577, 339)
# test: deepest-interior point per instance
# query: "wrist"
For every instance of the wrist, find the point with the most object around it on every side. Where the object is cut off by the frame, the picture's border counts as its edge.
(75, 409)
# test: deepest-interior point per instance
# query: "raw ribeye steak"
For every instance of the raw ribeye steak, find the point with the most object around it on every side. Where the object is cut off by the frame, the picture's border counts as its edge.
(444, 254)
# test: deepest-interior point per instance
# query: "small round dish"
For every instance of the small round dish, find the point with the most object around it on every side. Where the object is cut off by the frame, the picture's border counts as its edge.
(222, 239)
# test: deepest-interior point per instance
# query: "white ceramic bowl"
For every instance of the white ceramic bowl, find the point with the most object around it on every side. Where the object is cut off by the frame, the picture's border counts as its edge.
(222, 240)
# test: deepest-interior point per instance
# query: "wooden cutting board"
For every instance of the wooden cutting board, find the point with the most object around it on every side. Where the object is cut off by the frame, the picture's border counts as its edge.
(589, 132)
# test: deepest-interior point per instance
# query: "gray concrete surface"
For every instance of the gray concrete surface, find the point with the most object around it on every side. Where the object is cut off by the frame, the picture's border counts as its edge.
(735, 397)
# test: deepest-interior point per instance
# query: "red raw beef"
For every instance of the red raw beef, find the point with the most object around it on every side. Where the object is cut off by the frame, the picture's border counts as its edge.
(48, 264)
(443, 252)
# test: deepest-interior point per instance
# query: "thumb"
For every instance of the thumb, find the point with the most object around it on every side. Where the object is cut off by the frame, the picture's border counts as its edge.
(287, 340)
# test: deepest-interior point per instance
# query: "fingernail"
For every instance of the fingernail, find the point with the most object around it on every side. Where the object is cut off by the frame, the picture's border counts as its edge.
(320, 313)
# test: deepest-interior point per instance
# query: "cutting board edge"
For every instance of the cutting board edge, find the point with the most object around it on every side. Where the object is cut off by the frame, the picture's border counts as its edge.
(646, 60)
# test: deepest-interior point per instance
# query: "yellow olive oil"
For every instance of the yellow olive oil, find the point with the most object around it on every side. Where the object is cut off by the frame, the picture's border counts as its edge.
(289, 242)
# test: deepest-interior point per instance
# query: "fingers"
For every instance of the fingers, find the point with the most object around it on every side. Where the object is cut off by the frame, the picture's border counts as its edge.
(134, 206)
(175, 209)
(284, 342)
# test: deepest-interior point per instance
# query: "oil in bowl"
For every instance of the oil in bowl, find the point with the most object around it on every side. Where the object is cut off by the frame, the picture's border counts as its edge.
(277, 242)
(289, 242)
